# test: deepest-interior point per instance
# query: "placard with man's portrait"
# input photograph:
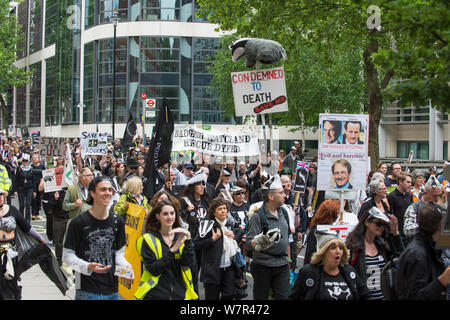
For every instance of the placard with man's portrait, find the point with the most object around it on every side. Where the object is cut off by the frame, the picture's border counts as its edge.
(343, 151)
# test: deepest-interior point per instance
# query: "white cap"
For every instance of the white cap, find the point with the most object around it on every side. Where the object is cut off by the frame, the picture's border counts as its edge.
(377, 213)
(273, 183)
(235, 189)
(199, 176)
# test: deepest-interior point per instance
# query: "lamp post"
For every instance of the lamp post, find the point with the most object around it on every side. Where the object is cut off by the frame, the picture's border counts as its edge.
(115, 19)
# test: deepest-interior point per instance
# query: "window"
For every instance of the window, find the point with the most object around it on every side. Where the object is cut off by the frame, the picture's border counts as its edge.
(420, 149)
(160, 10)
(105, 80)
(35, 94)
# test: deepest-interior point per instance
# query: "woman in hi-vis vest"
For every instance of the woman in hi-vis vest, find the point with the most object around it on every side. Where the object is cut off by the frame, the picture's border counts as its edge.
(167, 252)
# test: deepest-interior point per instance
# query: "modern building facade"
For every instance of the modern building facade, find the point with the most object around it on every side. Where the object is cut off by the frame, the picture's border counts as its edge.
(423, 130)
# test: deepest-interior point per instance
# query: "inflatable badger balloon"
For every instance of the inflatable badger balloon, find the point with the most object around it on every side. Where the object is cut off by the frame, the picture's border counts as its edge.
(257, 50)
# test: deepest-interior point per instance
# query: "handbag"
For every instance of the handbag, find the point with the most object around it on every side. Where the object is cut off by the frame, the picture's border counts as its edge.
(238, 260)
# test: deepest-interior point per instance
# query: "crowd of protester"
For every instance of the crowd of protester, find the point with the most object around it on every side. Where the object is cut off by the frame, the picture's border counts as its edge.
(216, 221)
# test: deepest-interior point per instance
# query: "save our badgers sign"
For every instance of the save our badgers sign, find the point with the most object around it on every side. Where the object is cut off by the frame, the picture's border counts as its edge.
(93, 143)
(259, 91)
(215, 142)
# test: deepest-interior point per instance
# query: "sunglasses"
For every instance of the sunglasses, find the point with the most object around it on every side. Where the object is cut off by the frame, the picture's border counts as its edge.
(239, 193)
(378, 223)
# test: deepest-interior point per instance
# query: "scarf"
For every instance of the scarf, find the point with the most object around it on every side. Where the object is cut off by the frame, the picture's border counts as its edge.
(230, 247)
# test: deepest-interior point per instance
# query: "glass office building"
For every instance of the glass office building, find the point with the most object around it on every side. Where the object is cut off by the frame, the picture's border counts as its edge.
(162, 49)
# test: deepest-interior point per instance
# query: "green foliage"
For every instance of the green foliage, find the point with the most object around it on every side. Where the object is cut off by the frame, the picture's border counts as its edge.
(10, 36)
(422, 57)
(320, 76)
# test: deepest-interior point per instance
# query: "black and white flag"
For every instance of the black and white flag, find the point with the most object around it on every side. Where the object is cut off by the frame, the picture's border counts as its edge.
(130, 132)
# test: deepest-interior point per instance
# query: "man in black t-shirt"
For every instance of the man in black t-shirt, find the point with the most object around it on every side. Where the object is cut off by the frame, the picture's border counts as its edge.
(95, 245)
(400, 199)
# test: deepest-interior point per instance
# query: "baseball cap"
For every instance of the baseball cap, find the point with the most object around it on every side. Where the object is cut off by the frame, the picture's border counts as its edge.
(189, 166)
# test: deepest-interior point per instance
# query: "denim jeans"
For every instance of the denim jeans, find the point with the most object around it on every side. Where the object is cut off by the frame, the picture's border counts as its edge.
(85, 295)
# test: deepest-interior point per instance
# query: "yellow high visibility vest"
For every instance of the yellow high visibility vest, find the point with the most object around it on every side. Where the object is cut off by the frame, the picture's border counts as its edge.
(149, 281)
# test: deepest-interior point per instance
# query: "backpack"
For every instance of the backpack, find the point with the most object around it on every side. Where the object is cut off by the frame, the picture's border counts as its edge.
(388, 278)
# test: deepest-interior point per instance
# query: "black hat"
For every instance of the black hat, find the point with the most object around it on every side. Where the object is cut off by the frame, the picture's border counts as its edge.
(132, 163)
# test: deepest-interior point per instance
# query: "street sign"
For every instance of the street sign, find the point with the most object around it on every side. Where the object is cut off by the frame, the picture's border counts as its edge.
(144, 96)
(149, 113)
(150, 103)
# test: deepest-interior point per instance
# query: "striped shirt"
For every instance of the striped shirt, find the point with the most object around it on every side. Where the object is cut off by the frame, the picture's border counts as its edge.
(374, 266)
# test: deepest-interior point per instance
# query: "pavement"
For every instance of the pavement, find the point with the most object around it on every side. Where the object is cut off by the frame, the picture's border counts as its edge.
(37, 286)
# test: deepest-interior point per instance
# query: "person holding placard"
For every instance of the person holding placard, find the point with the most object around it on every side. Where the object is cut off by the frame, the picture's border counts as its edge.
(132, 193)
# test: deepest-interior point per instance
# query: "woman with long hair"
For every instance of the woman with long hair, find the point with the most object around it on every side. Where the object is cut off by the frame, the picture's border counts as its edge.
(165, 195)
(194, 206)
(327, 213)
(218, 247)
(371, 246)
(194, 202)
(224, 182)
(167, 253)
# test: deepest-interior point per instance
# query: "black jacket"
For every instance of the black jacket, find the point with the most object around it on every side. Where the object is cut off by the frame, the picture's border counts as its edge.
(369, 203)
(24, 178)
(420, 267)
(56, 205)
(307, 286)
(212, 253)
(170, 285)
(389, 248)
(311, 245)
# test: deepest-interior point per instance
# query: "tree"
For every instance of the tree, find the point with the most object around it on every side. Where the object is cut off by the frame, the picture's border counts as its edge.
(408, 37)
(10, 35)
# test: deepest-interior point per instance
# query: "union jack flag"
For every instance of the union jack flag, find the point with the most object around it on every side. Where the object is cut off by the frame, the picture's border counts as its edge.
(302, 165)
